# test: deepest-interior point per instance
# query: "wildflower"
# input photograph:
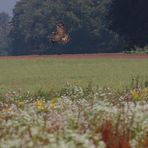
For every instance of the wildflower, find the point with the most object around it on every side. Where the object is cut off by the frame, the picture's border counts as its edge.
(54, 102)
(144, 93)
(40, 105)
(20, 104)
(9, 109)
(135, 95)
(139, 94)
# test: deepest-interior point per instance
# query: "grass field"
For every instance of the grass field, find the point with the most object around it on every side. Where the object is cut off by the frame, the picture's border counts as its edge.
(75, 116)
(51, 73)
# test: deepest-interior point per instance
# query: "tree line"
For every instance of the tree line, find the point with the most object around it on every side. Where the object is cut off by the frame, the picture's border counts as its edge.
(94, 26)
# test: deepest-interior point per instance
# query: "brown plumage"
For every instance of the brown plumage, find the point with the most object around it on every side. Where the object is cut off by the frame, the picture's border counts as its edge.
(60, 36)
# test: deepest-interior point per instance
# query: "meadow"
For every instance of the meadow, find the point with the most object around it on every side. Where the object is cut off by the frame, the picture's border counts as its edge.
(54, 73)
(41, 110)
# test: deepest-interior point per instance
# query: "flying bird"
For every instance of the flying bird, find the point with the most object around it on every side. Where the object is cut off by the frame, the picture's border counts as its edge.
(60, 36)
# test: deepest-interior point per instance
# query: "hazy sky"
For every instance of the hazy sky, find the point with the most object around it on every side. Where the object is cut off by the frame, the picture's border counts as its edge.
(7, 5)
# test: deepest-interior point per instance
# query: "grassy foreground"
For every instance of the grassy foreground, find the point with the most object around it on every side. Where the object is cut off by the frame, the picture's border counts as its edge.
(50, 73)
(75, 117)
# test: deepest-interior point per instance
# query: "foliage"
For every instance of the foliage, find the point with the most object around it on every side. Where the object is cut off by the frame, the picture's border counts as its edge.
(91, 117)
(129, 18)
(138, 50)
(4, 31)
(34, 20)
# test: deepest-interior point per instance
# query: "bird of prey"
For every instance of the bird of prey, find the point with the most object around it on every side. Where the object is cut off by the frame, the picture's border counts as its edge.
(60, 36)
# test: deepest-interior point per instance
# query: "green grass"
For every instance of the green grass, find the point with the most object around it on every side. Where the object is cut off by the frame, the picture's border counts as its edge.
(46, 74)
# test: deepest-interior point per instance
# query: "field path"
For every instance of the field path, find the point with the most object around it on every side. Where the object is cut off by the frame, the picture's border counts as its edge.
(82, 56)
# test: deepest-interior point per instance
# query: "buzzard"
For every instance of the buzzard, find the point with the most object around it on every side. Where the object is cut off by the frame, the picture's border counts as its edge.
(60, 36)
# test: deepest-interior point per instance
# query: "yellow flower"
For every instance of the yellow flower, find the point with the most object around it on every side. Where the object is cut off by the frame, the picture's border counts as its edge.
(53, 102)
(144, 93)
(40, 105)
(7, 109)
(139, 94)
(135, 95)
(20, 104)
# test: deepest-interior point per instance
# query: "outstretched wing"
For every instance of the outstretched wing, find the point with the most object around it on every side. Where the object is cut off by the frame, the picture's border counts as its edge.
(66, 38)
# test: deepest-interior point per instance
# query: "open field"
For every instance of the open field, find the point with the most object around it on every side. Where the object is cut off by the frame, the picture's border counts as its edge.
(75, 116)
(91, 56)
(53, 72)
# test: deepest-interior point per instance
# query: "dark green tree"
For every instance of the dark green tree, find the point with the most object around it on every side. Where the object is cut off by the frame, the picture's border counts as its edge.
(34, 20)
(129, 19)
(4, 31)
(29, 27)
